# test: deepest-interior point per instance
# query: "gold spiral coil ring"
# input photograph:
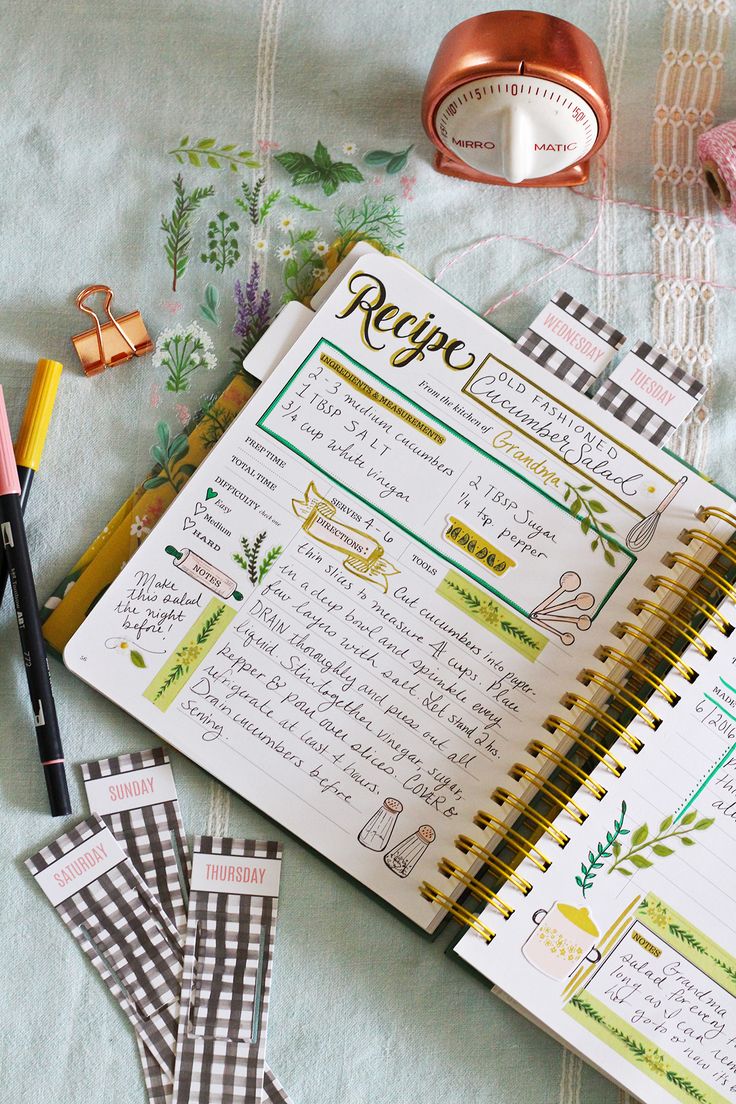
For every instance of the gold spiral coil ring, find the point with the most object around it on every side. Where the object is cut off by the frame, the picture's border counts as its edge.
(588, 743)
(702, 605)
(625, 628)
(624, 660)
(622, 695)
(719, 546)
(706, 512)
(481, 892)
(552, 755)
(577, 701)
(497, 866)
(707, 572)
(643, 605)
(502, 796)
(461, 914)
(521, 772)
(514, 840)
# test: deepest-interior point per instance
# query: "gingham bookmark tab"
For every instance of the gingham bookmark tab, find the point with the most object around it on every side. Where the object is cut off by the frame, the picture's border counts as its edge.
(76, 866)
(122, 929)
(125, 788)
(252, 877)
(650, 393)
(227, 974)
(571, 341)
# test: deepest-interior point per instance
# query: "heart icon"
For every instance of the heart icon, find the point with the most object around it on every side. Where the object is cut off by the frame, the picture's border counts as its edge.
(188, 523)
(199, 508)
(210, 494)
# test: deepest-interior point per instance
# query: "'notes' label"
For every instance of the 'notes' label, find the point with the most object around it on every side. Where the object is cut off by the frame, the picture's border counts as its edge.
(235, 874)
(80, 867)
(131, 790)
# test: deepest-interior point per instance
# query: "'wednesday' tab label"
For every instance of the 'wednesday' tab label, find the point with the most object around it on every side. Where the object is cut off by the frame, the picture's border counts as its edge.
(235, 874)
(131, 790)
(80, 867)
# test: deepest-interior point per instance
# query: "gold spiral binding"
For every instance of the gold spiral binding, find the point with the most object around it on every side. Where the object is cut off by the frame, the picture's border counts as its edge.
(497, 866)
(514, 840)
(643, 605)
(657, 684)
(675, 628)
(461, 914)
(502, 796)
(625, 628)
(552, 755)
(577, 701)
(621, 694)
(450, 869)
(702, 605)
(702, 535)
(520, 772)
(588, 743)
(706, 512)
(707, 572)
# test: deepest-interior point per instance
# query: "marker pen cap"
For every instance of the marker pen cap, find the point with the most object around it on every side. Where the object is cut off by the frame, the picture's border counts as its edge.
(9, 483)
(35, 424)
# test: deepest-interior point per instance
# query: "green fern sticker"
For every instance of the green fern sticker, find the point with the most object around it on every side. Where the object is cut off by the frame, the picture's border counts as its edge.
(492, 615)
(251, 560)
(189, 653)
(319, 169)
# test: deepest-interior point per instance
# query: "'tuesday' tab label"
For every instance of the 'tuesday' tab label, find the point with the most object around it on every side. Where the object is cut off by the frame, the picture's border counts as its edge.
(662, 395)
(235, 874)
(131, 790)
(80, 867)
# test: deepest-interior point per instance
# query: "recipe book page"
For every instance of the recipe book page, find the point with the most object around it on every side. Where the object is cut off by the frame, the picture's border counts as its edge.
(369, 596)
(625, 947)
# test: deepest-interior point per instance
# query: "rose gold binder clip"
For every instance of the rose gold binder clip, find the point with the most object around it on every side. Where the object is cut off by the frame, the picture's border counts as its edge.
(112, 342)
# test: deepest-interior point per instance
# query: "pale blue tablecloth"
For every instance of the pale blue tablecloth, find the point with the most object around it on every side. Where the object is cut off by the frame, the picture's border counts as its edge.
(363, 1008)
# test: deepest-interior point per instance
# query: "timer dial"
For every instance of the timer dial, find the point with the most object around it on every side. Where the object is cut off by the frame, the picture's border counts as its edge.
(516, 127)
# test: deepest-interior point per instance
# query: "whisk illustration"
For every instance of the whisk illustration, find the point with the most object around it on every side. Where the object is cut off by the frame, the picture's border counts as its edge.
(640, 534)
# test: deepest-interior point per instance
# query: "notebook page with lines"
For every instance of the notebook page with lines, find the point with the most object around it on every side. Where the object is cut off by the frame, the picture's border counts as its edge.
(372, 590)
(625, 947)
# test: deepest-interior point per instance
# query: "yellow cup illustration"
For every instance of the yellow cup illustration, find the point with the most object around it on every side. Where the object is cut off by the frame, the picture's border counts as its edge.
(564, 936)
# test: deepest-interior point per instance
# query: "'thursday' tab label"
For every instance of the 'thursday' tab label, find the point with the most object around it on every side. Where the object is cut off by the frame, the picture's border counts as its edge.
(80, 867)
(235, 874)
(134, 789)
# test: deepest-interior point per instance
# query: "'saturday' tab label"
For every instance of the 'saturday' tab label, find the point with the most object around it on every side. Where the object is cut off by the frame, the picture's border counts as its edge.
(653, 389)
(235, 874)
(80, 867)
(134, 789)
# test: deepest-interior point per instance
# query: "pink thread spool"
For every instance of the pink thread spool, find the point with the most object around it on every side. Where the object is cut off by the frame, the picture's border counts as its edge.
(717, 153)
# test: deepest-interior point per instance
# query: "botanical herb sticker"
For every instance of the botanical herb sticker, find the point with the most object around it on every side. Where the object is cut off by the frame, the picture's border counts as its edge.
(319, 169)
(251, 560)
(207, 152)
(178, 227)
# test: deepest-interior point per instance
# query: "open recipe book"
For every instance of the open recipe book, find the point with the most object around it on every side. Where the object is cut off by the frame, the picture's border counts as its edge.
(362, 613)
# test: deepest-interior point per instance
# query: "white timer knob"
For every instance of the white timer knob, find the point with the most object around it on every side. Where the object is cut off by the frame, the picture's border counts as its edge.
(516, 146)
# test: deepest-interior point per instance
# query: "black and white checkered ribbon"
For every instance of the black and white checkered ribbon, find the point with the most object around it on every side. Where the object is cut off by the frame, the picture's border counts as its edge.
(155, 840)
(634, 411)
(561, 364)
(226, 984)
(125, 934)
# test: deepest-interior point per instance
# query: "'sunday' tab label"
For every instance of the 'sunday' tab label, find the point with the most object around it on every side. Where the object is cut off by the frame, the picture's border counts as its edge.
(80, 867)
(134, 789)
(235, 874)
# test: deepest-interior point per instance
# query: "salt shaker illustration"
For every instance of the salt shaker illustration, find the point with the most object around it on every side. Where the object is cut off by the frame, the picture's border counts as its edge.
(376, 832)
(204, 572)
(402, 858)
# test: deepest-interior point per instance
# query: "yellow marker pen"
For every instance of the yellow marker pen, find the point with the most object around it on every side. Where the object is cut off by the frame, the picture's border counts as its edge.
(32, 436)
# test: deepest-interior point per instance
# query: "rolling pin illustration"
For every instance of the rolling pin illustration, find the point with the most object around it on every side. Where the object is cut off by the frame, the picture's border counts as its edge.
(640, 534)
(205, 573)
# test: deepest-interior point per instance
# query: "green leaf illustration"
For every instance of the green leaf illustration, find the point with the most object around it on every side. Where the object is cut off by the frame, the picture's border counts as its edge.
(208, 309)
(668, 830)
(216, 157)
(318, 169)
(391, 162)
(178, 226)
(605, 850)
(137, 659)
(222, 245)
(591, 522)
